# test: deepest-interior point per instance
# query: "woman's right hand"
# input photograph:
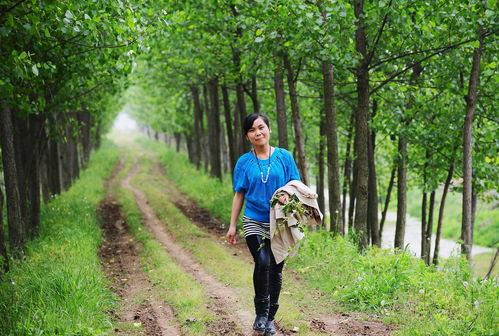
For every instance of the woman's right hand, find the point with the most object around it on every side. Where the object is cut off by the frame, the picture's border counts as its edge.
(231, 235)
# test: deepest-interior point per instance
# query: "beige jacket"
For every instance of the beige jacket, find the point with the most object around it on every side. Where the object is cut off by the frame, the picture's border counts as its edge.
(285, 232)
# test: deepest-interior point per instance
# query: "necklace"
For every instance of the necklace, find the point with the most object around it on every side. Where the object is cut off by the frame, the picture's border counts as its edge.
(264, 180)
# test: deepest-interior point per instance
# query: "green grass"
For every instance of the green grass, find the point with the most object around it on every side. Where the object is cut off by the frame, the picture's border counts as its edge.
(423, 300)
(402, 290)
(59, 289)
(170, 282)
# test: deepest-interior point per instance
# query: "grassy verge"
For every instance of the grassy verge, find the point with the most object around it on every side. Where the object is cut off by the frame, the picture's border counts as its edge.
(60, 288)
(423, 300)
(170, 282)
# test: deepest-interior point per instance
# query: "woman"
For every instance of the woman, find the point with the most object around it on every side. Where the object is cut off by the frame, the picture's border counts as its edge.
(257, 175)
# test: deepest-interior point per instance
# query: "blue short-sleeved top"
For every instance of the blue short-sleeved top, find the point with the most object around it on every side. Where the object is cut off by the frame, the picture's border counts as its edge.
(247, 179)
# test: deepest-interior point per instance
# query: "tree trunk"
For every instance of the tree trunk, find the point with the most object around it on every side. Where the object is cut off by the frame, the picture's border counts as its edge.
(54, 168)
(448, 180)
(214, 131)
(401, 193)
(190, 147)
(65, 158)
(3, 249)
(205, 143)
(372, 211)
(197, 126)
(320, 162)
(352, 196)
(33, 157)
(280, 102)
(178, 139)
(241, 104)
(44, 177)
(300, 141)
(429, 229)
(254, 95)
(73, 154)
(347, 173)
(387, 201)
(228, 125)
(84, 120)
(14, 216)
(21, 143)
(336, 225)
(424, 206)
(362, 129)
(471, 98)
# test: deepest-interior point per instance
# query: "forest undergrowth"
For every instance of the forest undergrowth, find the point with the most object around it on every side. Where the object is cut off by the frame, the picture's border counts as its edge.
(399, 288)
(59, 288)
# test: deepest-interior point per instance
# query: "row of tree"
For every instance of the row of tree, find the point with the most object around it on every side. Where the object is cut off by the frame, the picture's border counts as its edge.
(378, 92)
(63, 66)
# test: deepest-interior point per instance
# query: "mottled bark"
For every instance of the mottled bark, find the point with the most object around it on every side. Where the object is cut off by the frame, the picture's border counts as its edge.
(429, 229)
(280, 102)
(336, 224)
(205, 143)
(424, 206)
(361, 128)
(254, 95)
(85, 125)
(299, 137)
(54, 168)
(231, 139)
(401, 193)
(14, 216)
(4, 261)
(347, 174)
(320, 162)
(214, 130)
(197, 126)
(372, 211)
(471, 99)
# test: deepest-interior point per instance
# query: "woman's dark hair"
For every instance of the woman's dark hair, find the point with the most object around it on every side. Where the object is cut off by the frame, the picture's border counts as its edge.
(248, 122)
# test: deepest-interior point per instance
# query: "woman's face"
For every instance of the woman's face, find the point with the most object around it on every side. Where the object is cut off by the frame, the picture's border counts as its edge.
(259, 133)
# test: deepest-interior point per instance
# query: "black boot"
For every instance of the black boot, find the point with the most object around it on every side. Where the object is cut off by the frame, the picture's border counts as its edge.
(262, 314)
(270, 328)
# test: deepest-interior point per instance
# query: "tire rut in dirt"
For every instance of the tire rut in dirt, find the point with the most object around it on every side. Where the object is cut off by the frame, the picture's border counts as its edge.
(223, 298)
(118, 255)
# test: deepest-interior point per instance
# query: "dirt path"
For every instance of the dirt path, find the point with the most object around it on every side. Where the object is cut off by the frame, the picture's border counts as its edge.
(118, 255)
(222, 296)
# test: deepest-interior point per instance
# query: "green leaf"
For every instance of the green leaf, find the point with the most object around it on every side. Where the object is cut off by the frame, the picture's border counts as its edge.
(47, 33)
(34, 69)
(68, 14)
(258, 32)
